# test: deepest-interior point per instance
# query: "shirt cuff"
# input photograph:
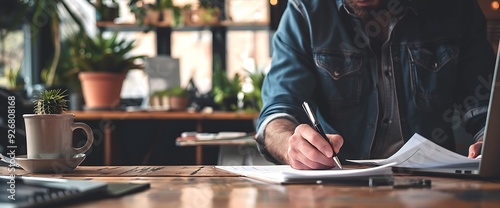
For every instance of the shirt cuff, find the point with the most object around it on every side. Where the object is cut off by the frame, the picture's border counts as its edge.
(479, 135)
(259, 137)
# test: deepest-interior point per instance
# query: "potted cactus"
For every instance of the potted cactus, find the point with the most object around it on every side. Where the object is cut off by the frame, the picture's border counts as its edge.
(49, 132)
(51, 102)
(49, 109)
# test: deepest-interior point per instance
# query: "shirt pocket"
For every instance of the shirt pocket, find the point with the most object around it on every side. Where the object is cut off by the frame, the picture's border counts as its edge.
(340, 77)
(433, 71)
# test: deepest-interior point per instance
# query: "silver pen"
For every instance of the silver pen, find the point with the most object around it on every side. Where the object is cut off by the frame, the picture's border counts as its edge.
(319, 129)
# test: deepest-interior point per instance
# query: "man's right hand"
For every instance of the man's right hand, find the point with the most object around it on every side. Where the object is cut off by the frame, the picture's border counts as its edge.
(299, 145)
(308, 150)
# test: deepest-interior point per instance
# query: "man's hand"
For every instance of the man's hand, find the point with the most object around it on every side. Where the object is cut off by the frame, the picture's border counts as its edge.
(475, 149)
(308, 150)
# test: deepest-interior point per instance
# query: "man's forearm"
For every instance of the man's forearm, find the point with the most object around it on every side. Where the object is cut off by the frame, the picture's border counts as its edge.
(276, 138)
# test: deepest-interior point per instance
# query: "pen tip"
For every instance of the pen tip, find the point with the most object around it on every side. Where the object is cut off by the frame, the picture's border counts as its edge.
(337, 162)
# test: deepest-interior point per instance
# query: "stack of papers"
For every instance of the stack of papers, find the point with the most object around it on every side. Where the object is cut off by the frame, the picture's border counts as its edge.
(420, 152)
(285, 174)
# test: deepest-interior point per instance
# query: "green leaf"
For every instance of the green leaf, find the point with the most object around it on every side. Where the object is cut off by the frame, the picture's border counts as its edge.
(106, 54)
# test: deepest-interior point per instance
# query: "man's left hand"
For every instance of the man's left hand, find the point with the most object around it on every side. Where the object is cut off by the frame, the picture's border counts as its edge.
(475, 149)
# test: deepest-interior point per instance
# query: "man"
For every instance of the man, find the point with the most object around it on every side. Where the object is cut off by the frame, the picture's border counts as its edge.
(375, 72)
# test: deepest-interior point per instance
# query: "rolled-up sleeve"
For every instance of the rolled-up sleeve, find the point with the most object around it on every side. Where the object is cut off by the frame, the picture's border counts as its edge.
(260, 136)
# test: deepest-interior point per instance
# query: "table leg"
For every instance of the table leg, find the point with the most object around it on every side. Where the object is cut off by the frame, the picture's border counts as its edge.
(199, 154)
(153, 144)
(107, 143)
(199, 148)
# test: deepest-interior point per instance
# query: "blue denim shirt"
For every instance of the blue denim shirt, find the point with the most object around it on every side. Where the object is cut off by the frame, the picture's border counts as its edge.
(437, 51)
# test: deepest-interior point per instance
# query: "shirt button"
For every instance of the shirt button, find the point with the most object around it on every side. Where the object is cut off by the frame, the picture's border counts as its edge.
(336, 73)
(435, 65)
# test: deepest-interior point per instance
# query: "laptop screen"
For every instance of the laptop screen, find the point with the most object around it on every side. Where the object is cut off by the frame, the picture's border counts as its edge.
(490, 150)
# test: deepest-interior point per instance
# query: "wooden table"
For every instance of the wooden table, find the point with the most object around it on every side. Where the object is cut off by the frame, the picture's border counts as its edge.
(109, 116)
(206, 186)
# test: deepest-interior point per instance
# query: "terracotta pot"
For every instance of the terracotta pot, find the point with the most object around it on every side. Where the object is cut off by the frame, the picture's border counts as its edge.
(101, 89)
(151, 17)
(178, 103)
(168, 18)
(208, 16)
(188, 17)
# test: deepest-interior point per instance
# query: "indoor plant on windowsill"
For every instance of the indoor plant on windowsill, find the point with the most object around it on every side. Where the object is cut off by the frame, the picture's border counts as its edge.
(103, 64)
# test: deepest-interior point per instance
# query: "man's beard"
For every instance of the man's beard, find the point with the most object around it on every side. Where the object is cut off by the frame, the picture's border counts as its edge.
(368, 14)
(365, 12)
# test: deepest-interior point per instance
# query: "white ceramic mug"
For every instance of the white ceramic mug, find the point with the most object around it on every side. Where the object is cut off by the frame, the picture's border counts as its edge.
(51, 136)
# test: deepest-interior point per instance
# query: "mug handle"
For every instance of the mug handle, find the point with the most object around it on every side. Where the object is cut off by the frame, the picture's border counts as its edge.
(90, 136)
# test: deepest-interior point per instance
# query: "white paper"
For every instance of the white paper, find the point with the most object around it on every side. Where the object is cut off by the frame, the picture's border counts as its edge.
(220, 135)
(420, 152)
(286, 174)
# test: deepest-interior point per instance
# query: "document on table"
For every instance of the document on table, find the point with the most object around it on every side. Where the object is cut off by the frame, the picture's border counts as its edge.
(285, 174)
(221, 138)
(420, 152)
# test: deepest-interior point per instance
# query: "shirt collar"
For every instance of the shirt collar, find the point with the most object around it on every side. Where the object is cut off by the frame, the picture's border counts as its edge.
(340, 4)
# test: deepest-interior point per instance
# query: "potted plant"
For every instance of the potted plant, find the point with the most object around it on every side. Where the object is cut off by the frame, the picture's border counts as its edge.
(187, 14)
(208, 12)
(138, 8)
(225, 90)
(49, 132)
(161, 13)
(159, 100)
(253, 98)
(178, 98)
(103, 64)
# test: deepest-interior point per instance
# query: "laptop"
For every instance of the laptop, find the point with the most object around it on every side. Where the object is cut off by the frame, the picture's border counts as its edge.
(32, 192)
(44, 192)
(488, 166)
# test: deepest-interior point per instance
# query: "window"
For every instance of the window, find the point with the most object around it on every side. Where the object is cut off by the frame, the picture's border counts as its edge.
(11, 57)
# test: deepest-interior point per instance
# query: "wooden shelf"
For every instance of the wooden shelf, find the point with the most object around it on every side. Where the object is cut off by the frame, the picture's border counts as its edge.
(169, 115)
(110, 26)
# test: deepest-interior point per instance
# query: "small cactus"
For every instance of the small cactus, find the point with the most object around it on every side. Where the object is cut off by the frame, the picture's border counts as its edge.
(51, 102)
